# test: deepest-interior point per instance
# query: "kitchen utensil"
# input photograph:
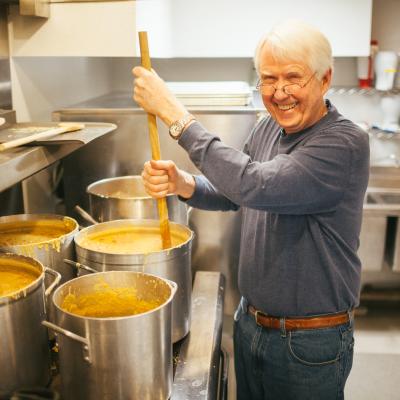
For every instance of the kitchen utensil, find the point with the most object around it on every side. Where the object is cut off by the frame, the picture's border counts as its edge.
(155, 147)
(63, 128)
(24, 349)
(124, 197)
(173, 263)
(117, 358)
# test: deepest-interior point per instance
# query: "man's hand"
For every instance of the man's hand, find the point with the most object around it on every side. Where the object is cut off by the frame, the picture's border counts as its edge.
(153, 95)
(164, 177)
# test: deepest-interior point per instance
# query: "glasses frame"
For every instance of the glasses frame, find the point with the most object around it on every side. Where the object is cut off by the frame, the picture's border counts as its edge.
(283, 88)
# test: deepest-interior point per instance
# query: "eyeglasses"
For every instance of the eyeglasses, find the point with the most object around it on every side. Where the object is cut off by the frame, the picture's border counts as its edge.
(268, 89)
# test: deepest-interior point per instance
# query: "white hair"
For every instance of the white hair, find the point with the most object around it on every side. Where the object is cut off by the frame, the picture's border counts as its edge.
(297, 41)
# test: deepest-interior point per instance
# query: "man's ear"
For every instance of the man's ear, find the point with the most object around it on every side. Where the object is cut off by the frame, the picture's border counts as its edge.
(326, 80)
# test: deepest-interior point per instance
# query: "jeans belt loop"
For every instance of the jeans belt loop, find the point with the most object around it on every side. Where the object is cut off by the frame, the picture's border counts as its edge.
(350, 313)
(282, 322)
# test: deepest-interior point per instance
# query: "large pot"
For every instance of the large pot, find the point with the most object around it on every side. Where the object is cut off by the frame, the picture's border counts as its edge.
(24, 347)
(173, 264)
(125, 198)
(50, 253)
(116, 358)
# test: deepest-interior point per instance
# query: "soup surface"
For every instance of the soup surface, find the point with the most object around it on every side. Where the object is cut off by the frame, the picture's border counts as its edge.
(130, 240)
(33, 232)
(13, 279)
(107, 302)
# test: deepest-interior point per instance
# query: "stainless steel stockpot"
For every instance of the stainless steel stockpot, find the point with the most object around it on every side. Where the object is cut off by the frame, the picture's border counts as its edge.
(173, 264)
(50, 253)
(24, 346)
(116, 358)
(125, 198)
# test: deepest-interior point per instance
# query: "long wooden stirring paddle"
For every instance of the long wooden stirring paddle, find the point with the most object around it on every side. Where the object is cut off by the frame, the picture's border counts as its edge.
(155, 147)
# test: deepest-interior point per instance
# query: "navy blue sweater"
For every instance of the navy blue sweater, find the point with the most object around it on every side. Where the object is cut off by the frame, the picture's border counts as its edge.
(302, 197)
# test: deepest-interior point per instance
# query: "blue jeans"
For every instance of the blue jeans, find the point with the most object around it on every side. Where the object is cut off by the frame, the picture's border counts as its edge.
(273, 364)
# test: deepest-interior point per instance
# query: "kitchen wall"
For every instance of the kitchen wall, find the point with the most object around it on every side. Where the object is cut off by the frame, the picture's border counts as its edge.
(43, 84)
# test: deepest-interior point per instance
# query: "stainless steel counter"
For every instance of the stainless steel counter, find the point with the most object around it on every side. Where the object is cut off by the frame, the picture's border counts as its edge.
(198, 368)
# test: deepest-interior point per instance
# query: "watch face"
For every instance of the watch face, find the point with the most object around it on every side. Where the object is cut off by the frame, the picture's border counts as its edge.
(175, 130)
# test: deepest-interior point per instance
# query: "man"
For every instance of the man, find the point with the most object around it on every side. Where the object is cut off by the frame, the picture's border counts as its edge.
(300, 180)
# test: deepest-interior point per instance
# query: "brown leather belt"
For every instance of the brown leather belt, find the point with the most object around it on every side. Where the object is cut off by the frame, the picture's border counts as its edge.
(323, 321)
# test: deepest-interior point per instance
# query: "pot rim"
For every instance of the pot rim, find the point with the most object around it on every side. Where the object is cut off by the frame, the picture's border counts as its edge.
(90, 189)
(37, 217)
(24, 292)
(90, 276)
(100, 255)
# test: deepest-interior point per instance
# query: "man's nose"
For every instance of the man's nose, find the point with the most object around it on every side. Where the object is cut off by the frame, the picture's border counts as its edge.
(280, 93)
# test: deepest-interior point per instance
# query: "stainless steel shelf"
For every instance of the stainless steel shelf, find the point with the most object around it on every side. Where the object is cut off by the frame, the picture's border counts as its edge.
(20, 163)
(362, 91)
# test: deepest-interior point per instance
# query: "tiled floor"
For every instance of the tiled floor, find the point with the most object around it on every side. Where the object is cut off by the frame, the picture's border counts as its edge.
(376, 365)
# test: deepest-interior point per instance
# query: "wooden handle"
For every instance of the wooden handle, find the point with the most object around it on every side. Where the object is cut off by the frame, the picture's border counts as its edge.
(155, 147)
(40, 135)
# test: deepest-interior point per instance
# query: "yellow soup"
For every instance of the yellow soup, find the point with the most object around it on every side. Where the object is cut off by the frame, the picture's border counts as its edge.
(107, 302)
(130, 240)
(13, 279)
(19, 233)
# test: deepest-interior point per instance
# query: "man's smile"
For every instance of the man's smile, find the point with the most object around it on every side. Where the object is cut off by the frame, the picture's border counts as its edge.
(285, 107)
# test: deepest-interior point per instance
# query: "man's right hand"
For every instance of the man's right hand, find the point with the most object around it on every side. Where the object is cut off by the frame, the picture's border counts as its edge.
(164, 177)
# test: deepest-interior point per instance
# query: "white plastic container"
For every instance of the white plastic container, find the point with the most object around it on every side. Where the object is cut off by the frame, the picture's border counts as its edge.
(385, 69)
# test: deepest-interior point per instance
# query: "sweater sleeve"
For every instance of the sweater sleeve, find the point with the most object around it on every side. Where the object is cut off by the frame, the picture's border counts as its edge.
(207, 197)
(311, 179)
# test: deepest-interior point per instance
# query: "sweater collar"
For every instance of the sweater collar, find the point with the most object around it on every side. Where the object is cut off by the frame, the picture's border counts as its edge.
(325, 120)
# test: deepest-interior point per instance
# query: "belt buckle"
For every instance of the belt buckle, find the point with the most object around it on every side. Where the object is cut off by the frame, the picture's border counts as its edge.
(256, 314)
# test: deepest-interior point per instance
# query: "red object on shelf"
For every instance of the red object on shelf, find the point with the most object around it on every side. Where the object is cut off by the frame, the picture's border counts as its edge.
(365, 67)
(364, 83)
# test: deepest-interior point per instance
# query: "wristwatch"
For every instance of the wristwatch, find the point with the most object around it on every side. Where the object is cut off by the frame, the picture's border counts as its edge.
(176, 128)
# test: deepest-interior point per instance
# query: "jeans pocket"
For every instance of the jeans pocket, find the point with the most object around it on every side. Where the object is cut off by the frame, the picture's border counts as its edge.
(315, 347)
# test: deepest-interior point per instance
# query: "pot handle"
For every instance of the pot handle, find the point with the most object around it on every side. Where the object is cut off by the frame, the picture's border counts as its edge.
(85, 215)
(79, 266)
(57, 279)
(73, 336)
